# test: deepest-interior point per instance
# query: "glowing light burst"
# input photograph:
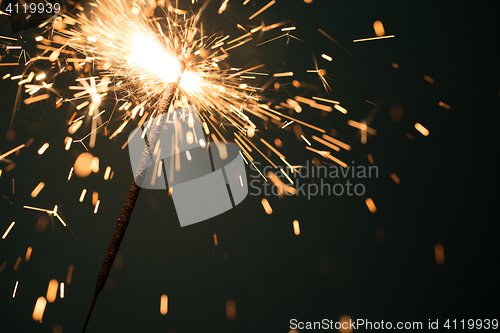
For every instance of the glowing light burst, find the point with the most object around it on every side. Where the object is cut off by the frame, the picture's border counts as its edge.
(138, 49)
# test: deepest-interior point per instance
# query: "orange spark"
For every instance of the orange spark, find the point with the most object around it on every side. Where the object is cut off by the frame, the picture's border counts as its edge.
(296, 228)
(379, 28)
(8, 230)
(41, 302)
(372, 38)
(422, 129)
(272, 2)
(164, 304)
(371, 205)
(395, 178)
(439, 253)
(267, 206)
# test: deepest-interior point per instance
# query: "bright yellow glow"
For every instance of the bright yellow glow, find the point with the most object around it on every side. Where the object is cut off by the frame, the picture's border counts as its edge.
(149, 55)
(190, 81)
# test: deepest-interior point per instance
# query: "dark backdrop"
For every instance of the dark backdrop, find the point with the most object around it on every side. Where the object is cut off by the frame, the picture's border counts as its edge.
(346, 261)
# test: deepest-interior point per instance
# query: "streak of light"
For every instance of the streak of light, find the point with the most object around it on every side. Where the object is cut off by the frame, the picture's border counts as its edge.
(39, 209)
(30, 100)
(231, 307)
(371, 205)
(327, 154)
(327, 57)
(444, 105)
(288, 29)
(61, 290)
(223, 7)
(395, 178)
(313, 104)
(54, 212)
(37, 189)
(287, 176)
(272, 2)
(274, 26)
(41, 302)
(245, 70)
(18, 262)
(8, 230)
(215, 240)
(97, 206)
(325, 100)
(296, 227)
(362, 127)
(164, 304)
(340, 108)
(267, 206)
(28, 253)
(333, 40)
(82, 105)
(52, 291)
(272, 148)
(304, 138)
(95, 165)
(283, 74)
(337, 142)
(70, 173)
(429, 79)
(69, 141)
(326, 143)
(10, 38)
(370, 158)
(280, 185)
(296, 106)
(11, 151)
(395, 65)
(40, 77)
(439, 253)
(57, 215)
(295, 120)
(75, 126)
(97, 115)
(15, 290)
(379, 28)
(70, 274)
(373, 38)
(254, 30)
(107, 173)
(422, 129)
(43, 148)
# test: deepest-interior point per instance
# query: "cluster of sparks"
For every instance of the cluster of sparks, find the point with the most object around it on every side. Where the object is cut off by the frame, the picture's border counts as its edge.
(127, 53)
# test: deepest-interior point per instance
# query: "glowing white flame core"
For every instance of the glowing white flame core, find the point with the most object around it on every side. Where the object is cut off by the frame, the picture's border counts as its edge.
(149, 55)
(190, 81)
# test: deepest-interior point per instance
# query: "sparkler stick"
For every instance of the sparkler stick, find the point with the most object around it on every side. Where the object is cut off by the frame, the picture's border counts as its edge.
(133, 194)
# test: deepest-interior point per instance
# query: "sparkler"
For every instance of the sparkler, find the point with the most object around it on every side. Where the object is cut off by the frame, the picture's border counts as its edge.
(141, 51)
(131, 199)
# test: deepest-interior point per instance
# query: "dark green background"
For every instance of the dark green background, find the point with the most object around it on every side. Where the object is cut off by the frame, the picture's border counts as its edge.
(336, 266)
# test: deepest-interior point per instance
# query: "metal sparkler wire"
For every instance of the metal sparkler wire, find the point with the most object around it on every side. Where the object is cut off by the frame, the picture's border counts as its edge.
(132, 196)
